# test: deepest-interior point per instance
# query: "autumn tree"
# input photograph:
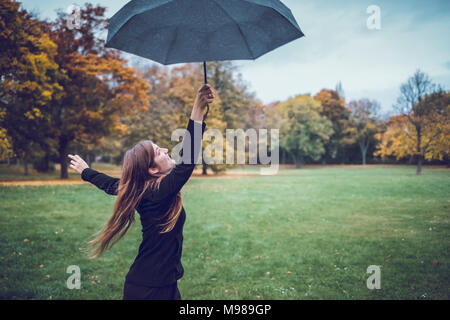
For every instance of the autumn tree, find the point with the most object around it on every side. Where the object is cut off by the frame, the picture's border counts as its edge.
(363, 123)
(236, 100)
(6, 150)
(29, 80)
(99, 88)
(400, 139)
(437, 141)
(336, 112)
(172, 96)
(418, 113)
(237, 108)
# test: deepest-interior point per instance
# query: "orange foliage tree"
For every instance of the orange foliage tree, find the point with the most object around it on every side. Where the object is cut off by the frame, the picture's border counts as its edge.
(29, 80)
(335, 110)
(401, 139)
(99, 88)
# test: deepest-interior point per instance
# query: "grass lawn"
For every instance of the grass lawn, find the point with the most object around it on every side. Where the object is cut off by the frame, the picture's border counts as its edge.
(302, 234)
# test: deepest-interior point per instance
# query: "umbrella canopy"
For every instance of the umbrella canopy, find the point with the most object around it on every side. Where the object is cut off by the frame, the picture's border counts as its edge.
(177, 31)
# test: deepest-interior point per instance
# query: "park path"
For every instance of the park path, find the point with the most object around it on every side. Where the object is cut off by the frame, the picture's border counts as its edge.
(43, 182)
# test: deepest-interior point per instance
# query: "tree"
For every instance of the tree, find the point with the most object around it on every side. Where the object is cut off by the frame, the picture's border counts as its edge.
(6, 150)
(237, 108)
(303, 130)
(400, 138)
(235, 98)
(410, 103)
(335, 111)
(363, 123)
(99, 88)
(340, 90)
(29, 79)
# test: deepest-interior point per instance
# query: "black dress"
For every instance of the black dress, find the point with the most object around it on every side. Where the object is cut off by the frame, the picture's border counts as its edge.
(157, 267)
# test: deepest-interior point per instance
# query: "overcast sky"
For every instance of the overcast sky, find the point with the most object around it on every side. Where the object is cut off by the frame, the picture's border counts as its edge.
(338, 46)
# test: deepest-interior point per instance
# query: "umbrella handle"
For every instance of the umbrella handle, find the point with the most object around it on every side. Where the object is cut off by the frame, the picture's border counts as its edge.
(206, 114)
(206, 82)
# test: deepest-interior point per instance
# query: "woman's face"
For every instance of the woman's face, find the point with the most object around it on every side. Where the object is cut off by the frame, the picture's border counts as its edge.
(163, 162)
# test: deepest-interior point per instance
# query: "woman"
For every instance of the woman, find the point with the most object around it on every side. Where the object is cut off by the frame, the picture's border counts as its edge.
(150, 183)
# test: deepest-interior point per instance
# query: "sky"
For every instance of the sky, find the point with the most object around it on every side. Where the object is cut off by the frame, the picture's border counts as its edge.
(339, 46)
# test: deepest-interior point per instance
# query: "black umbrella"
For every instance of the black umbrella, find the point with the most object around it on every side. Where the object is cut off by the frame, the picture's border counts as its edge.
(177, 31)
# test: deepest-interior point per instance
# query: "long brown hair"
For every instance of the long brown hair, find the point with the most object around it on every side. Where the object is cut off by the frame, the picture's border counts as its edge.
(135, 180)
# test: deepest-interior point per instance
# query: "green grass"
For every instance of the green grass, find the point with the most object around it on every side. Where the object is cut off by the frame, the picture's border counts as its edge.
(302, 234)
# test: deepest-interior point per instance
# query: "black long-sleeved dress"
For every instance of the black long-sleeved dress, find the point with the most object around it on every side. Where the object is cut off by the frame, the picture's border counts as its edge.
(158, 262)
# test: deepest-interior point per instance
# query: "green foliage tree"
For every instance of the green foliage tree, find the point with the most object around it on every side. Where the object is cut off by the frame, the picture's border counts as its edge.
(304, 131)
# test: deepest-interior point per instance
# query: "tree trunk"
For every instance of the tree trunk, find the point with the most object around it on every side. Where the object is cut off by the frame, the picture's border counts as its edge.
(364, 147)
(47, 160)
(419, 165)
(298, 160)
(44, 163)
(62, 148)
(419, 153)
(90, 159)
(25, 166)
(204, 167)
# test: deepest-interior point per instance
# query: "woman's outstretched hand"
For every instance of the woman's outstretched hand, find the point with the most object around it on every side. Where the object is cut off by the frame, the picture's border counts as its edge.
(77, 163)
(204, 96)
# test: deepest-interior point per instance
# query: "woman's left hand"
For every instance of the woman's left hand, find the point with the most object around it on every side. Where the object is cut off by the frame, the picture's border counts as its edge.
(77, 163)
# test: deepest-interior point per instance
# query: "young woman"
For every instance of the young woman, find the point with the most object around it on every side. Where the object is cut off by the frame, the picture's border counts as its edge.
(150, 183)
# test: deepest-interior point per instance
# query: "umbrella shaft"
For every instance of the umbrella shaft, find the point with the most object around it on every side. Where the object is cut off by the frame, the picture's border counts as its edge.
(204, 71)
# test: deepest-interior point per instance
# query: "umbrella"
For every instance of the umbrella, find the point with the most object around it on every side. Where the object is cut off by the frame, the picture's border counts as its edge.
(177, 31)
